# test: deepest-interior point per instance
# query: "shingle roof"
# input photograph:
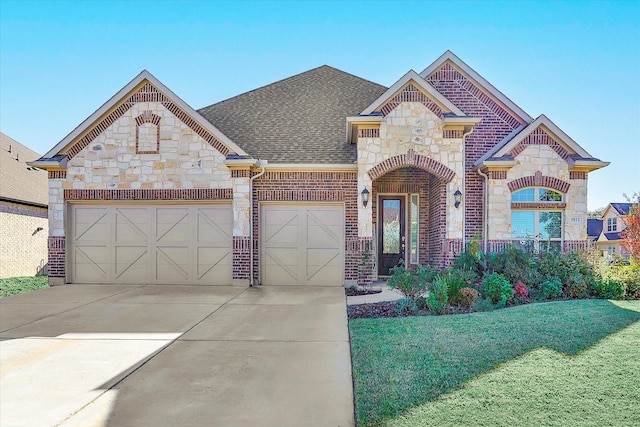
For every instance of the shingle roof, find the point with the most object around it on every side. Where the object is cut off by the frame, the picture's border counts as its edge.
(18, 181)
(301, 119)
(594, 227)
(613, 236)
(622, 208)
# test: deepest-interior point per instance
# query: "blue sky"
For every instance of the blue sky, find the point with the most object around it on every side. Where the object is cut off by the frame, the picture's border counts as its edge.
(576, 62)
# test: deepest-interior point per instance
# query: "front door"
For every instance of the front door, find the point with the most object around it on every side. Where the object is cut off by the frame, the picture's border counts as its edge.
(391, 233)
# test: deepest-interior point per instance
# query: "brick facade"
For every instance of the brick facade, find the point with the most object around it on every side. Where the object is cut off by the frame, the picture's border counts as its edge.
(497, 123)
(23, 239)
(315, 187)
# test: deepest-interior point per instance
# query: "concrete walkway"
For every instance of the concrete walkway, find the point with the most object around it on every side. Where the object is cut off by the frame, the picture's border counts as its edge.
(96, 355)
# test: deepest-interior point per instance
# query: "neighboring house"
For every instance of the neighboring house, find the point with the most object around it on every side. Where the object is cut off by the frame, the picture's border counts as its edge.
(353, 177)
(24, 227)
(594, 228)
(609, 241)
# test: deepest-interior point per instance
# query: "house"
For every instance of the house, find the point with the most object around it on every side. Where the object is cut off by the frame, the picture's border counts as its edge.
(594, 228)
(23, 211)
(323, 178)
(609, 241)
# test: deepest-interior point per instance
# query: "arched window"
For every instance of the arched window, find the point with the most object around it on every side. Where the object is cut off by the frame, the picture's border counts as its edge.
(537, 219)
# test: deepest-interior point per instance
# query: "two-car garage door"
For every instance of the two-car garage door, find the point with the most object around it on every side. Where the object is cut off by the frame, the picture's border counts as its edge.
(172, 244)
(302, 244)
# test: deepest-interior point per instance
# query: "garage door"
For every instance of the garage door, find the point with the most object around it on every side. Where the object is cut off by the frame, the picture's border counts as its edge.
(163, 244)
(302, 245)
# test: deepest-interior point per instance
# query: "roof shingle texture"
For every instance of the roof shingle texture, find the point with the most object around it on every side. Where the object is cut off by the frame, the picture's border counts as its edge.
(18, 181)
(301, 119)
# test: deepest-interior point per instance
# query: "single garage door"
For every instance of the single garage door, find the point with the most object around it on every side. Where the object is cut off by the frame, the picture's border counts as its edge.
(302, 244)
(151, 244)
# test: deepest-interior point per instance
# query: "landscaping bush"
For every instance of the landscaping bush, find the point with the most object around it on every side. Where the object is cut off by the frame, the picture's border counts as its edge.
(411, 282)
(498, 289)
(438, 295)
(515, 265)
(468, 297)
(456, 280)
(406, 307)
(617, 279)
(573, 270)
(551, 288)
(521, 291)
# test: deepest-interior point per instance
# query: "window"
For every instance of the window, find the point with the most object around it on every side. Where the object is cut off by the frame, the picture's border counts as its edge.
(533, 228)
(413, 259)
(611, 250)
(612, 224)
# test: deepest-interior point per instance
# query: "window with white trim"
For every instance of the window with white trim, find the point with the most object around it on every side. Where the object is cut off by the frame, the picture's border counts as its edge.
(612, 224)
(539, 225)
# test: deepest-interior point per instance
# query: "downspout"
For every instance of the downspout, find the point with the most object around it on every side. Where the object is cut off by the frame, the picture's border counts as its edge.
(259, 163)
(464, 188)
(485, 196)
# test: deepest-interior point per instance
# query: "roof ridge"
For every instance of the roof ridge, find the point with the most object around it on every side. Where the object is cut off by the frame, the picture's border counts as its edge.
(289, 78)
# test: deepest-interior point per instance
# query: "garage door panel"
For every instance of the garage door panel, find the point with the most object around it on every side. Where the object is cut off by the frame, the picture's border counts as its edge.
(173, 225)
(91, 224)
(132, 225)
(214, 264)
(302, 244)
(187, 244)
(90, 265)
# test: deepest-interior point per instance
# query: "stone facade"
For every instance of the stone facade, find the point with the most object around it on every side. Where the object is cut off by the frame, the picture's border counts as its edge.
(23, 240)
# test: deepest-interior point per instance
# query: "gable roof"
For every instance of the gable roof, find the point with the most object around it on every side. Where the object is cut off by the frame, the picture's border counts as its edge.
(412, 76)
(300, 119)
(622, 208)
(577, 154)
(489, 89)
(20, 182)
(141, 79)
(594, 227)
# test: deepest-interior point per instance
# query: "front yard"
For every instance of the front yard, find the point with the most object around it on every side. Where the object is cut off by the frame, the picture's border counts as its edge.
(18, 285)
(558, 363)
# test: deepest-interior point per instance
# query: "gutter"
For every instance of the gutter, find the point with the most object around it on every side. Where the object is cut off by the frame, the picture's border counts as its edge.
(259, 163)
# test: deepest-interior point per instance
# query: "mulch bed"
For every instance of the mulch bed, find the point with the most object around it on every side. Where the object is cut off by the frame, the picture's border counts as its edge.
(393, 309)
(354, 292)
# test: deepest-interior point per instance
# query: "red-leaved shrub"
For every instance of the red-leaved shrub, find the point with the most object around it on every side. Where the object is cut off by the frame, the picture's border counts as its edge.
(521, 290)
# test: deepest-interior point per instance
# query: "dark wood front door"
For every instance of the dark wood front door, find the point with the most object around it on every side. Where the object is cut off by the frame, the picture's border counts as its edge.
(391, 233)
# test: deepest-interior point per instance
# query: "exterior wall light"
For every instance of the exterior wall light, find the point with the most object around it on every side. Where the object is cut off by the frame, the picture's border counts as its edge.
(365, 197)
(457, 197)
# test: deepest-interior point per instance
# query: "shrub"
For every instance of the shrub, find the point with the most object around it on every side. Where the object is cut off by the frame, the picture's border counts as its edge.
(498, 288)
(521, 291)
(617, 279)
(468, 297)
(515, 264)
(438, 295)
(610, 289)
(573, 270)
(405, 307)
(412, 283)
(551, 288)
(456, 280)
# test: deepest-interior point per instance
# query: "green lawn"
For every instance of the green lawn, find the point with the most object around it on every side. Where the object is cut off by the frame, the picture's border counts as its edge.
(560, 363)
(18, 285)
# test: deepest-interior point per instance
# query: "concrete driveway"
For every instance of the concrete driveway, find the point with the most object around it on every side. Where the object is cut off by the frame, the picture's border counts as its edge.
(110, 355)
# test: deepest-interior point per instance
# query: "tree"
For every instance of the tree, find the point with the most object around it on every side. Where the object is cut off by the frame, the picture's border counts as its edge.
(631, 234)
(596, 213)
